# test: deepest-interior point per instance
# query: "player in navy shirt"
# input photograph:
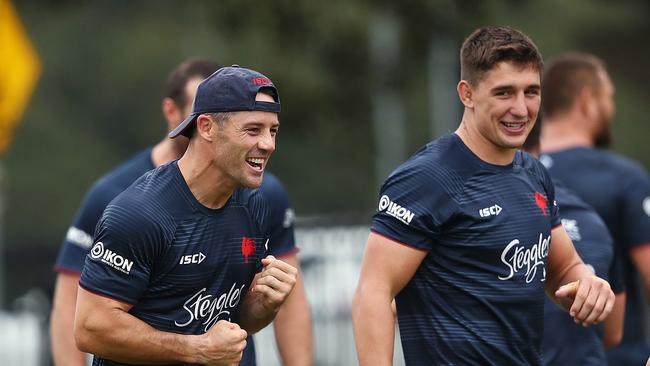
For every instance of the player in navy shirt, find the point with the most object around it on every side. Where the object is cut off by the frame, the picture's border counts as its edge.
(467, 236)
(294, 319)
(565, 342)
(578, 110)
(178, 272)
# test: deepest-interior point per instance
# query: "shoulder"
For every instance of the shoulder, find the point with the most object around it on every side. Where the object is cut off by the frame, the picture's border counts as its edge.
(439, 164)
(147, 202)
(272, 188)
(119, 178)
(624, 165)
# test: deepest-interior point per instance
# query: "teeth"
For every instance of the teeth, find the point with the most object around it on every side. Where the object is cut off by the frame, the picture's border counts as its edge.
(256, 160)
(513, 124)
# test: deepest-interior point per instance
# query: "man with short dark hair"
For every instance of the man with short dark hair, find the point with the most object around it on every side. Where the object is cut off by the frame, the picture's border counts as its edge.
(179, 92)
(178, 272)
(578, 110)
(462, 236)
(292, 325)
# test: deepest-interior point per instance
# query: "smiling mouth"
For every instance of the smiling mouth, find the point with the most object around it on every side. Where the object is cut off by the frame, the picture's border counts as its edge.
(513, 126)
(256, 163)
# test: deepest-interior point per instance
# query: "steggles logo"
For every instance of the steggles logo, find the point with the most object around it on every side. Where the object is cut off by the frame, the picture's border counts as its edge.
(517, 257)
(211, 308)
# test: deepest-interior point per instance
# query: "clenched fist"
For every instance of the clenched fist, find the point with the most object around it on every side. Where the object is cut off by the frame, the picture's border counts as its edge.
(275, 282)
(223, 344)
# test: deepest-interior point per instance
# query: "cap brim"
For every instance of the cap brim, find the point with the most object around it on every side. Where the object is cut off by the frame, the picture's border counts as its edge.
(181, 129)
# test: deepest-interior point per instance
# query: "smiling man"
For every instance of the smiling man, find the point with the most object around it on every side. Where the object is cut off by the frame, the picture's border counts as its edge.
(476, 240)
(178, 273)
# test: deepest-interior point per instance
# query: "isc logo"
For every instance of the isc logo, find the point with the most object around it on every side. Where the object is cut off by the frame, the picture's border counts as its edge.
(489, 211)
(192, 258)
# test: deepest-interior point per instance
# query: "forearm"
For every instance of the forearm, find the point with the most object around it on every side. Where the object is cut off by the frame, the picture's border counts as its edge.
(575, 272)
(255, 315)
(119, 336)
(293, 329)
(373, 321)
(64, 349)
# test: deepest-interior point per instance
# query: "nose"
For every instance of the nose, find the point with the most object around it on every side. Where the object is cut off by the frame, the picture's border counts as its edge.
(519, 108)
(267, 142)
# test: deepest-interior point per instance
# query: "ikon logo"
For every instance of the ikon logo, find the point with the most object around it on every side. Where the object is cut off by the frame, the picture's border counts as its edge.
(489, 211)
(192, 258)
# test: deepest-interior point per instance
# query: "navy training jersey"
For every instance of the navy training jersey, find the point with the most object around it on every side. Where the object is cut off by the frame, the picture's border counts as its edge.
(619, 190)
(478, 295)
(565, 342)
(79, 237)
(183, 266)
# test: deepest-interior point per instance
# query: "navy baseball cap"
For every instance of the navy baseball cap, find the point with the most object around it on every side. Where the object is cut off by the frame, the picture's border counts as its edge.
(230, 89)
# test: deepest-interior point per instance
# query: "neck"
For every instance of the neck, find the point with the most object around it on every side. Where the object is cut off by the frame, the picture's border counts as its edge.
(563, 133)
(481, 146)
(210, 186)
(166, 151)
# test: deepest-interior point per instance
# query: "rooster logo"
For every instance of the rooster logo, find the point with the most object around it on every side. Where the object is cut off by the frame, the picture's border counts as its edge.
(247, 247)
(542, 203)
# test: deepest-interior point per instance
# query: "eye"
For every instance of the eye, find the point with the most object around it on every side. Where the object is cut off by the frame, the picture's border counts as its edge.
(253, 130)
(502, 93)
(532, 92)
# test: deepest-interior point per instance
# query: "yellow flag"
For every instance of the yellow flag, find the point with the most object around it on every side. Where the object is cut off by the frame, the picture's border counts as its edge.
(19, 70)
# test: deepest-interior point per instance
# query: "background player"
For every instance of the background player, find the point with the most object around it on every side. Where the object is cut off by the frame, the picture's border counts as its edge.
(462, 236)
(578, 109)
(292, 324)
(567, 343)
(137, 303)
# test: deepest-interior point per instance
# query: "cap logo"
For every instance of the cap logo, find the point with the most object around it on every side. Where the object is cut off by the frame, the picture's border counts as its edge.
(262, 81)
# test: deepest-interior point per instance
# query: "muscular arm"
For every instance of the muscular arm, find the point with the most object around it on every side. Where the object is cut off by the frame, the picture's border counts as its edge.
(387, 267)
(292, 324)
(572, 285)
(105, 328)
(269, 290)
(64, 349)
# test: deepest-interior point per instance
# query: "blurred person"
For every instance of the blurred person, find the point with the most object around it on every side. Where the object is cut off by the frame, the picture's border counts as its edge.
(578, 110)
(462, 236)
(292, 324)
(565, 342)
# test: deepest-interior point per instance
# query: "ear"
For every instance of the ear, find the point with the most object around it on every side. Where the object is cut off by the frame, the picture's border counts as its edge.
(586, 103)
(465, 93)
(171, 112)
(204, 127)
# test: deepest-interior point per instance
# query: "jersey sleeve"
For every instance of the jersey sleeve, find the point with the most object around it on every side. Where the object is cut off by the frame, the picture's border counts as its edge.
(79, 237)
(411, 210)
(280, 220)
(120, 261)
(635, 208)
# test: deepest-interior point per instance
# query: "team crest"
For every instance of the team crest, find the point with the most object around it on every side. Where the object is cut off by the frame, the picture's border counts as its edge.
(247, 247)
(542, 203)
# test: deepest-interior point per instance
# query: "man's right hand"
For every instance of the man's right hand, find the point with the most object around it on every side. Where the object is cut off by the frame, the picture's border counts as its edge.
(223, 344)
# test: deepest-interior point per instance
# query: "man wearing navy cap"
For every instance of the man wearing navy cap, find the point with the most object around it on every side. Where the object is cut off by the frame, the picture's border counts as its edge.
(178, 272)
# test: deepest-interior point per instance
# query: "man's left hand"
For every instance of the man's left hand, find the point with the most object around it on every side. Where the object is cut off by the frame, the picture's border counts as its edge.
(592, 297)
